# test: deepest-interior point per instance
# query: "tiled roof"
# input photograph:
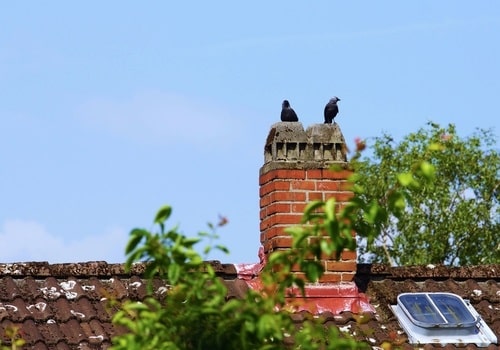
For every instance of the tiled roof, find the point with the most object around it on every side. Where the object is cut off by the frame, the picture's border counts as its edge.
(67, 306)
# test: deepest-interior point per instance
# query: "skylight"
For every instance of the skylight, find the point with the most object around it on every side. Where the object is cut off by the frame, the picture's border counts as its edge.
(441, 318)
(436, 310)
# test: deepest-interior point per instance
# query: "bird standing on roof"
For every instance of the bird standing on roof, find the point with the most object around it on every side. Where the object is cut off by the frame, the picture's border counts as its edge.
(287, 113)
(331, 110)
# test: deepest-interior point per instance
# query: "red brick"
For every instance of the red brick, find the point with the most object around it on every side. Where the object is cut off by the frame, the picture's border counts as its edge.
(281, 185)
(265, 224)
(345, 185)
(298, 207)
(339, 196)
(323, 257)
(272, 232)
(291, 174)
(263, 235)
(267, 247)
(329, 277)
(280, 219)
(287, 219)
(281, 242)
(278, 207)
(327, 185)
(341, 266)
(314, 173)
(315, 196)
(348, 277)
(264, 178)
(263, 213)
(288, 196)
(265, 200)
(303, 185)
(274, 186)
(336, 175)
(270, 246)
(348, 255)
(265, 189)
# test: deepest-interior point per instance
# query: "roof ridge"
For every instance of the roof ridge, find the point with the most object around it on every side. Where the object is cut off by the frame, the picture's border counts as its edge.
(486, 272)
(89, 269)
(45, 269)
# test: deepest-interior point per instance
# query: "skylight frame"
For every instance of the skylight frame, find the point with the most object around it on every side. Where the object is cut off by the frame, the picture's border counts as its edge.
(478, 333)
(435, 315)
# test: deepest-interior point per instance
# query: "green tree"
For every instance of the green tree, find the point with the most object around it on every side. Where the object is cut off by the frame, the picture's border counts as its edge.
(453, 220)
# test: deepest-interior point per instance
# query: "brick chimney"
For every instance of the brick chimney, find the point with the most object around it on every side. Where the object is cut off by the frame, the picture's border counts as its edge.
(295, 172)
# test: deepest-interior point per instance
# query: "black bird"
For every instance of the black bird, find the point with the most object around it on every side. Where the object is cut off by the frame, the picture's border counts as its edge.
(331, 110)
(287, 113)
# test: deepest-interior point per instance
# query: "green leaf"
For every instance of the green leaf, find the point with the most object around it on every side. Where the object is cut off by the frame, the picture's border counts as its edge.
(189, 242)
(330, 209)
(174, 272)
(222, 248)
(163, 214)
(313, 270)
(299, 235)
(310, 209)
(326, 247)
(436, 146)
(428, 170)
(397, 201)
(136, 235)
(405, 179)
(265, 326)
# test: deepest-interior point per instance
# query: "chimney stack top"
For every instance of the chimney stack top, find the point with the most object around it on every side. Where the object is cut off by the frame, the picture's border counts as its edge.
(288, 145)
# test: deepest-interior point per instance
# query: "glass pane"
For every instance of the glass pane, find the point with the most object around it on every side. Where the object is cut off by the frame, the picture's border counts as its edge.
(421, 309)
(452, 308)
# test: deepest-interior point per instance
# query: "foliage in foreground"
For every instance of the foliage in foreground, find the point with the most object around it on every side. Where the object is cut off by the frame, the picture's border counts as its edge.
(453, 220)
(194, 312)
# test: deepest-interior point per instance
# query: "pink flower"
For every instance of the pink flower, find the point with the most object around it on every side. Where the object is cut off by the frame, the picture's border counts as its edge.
(360, 144)
(446, 137)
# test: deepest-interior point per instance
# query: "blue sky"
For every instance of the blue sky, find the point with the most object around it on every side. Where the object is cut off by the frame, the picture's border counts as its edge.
(111, 109)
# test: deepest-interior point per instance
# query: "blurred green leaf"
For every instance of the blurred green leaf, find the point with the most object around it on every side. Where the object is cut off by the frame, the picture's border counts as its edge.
(428, 170)
(436, 146)
(163, 214)
(174, 271)
(136, 235)
(330, 209)
(405, 179)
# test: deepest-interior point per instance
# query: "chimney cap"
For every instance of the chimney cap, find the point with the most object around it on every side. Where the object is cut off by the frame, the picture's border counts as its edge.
(289, 146)
(286, 132)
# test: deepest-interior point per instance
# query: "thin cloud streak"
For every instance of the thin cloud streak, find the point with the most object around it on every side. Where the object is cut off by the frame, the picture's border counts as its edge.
(24, 241)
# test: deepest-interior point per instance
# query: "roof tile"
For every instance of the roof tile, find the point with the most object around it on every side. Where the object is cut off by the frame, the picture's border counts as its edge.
(50, 331)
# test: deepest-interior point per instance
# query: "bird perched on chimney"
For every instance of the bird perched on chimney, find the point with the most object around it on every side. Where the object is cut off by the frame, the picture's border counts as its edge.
(287, 113)
(331, 110)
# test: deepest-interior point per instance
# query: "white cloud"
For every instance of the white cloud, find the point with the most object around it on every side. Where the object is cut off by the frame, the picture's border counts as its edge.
(30, 241)
(161, 117)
